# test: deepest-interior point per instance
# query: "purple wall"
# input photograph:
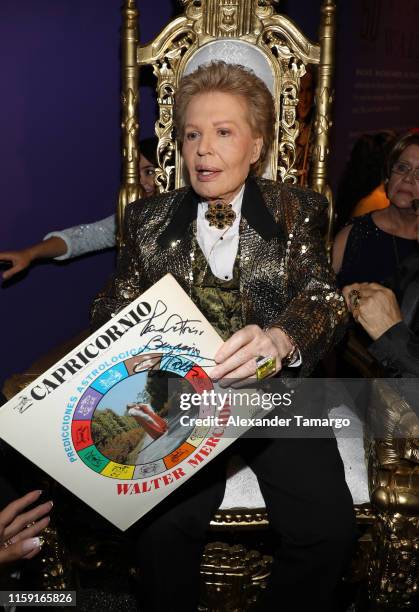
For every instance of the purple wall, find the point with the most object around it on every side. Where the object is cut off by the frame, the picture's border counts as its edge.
(60, 156)
(305, 14)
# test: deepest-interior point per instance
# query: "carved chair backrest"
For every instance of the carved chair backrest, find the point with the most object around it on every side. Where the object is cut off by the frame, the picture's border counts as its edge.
(248, 32)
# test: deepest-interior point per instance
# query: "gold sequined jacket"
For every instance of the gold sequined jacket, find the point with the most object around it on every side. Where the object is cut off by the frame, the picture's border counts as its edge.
(285, 277)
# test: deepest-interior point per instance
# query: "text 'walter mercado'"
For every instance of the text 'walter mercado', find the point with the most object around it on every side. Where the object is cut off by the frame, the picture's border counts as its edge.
(252, 403)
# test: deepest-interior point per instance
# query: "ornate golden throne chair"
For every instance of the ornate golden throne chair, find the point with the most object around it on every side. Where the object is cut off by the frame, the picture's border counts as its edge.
(252, 32)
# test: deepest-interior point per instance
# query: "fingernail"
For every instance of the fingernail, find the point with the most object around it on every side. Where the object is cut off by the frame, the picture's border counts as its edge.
(31, 544)
(51, 502)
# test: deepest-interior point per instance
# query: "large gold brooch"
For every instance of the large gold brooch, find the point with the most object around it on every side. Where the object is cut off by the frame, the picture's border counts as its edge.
(220, 214)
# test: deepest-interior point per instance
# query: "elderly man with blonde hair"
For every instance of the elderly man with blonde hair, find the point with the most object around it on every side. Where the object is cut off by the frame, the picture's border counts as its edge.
(250, 254)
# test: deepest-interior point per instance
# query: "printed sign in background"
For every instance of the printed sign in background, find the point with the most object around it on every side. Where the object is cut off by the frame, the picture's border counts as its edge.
(377, 72)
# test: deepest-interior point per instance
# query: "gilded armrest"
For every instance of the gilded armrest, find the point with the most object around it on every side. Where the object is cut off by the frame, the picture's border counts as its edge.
(397, 490)
(391, 437)
(393, 425)
(393, 458)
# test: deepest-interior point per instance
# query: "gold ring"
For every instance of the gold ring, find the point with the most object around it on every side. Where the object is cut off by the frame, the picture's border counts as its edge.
(7, 543)
(354, 297)
(265, 366)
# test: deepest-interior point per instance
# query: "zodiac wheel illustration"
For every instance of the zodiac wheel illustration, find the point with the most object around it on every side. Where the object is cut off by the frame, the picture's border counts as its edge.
(106, 413)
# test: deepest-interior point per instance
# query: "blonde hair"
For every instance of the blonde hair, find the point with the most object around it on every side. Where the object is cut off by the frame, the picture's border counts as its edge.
(235, 80)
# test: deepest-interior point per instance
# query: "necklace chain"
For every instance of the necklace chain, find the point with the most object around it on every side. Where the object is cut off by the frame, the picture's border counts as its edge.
(192, 256)
(212, 249)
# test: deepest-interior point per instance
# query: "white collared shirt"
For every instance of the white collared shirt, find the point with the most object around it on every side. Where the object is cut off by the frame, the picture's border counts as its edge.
(220, 246)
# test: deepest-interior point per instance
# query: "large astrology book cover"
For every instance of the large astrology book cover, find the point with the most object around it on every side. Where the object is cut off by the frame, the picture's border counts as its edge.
(100, 421)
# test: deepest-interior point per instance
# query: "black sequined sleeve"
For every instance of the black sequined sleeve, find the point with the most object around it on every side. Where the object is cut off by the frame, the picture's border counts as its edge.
(315, 315)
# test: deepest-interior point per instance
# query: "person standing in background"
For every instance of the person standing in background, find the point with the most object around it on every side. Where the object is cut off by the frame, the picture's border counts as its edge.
(85, 238)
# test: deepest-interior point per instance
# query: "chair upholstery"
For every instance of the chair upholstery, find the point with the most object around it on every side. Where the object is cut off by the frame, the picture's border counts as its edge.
(242, 490)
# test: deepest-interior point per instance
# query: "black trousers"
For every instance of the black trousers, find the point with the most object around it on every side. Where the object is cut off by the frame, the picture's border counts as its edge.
(310, 511)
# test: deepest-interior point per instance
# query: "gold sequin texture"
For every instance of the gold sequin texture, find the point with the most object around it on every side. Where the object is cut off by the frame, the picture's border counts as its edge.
(281, 283)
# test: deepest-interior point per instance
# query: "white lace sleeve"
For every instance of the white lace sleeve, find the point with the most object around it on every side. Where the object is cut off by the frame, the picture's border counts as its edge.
(86, 238)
